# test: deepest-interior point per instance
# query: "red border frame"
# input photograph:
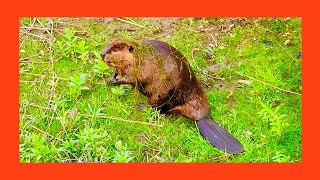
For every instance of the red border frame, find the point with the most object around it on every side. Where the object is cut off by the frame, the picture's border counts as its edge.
(9, 91)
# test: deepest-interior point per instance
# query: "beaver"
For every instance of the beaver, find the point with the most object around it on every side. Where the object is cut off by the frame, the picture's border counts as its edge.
(163, 74)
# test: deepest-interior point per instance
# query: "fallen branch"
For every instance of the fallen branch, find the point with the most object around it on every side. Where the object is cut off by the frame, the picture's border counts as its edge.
(41, 75)
(35, 62)
(60, 31)
(34, 55)
(51, 35)
(130, 22)
(192, 56)
(268, 84)
(33, 105)
(43, 132)
(221, 157)
(29, 81)
(54, 76)
(277, 42)
(36, 36)
(84, 31)
(215, 40)
(264, 28)
(286, 51)
(33, 23)
(216, 78)
(28, 30)
(129, 121)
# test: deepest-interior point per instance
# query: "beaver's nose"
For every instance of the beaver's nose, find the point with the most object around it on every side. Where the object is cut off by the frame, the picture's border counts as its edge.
(104, 52)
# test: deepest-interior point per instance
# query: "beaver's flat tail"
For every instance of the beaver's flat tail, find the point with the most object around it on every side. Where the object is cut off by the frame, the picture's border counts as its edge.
(219, 137)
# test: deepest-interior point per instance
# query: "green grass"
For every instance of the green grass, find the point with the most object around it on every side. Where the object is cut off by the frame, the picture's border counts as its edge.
(68, 114)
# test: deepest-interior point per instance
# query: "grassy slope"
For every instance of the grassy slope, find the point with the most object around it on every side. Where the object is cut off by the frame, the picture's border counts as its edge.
(57, 124)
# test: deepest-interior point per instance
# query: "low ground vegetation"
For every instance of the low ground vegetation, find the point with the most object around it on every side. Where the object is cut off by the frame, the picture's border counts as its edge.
(250, 68)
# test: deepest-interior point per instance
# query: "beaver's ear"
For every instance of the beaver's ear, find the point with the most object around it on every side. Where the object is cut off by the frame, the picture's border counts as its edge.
(116, 39)
(130, 49)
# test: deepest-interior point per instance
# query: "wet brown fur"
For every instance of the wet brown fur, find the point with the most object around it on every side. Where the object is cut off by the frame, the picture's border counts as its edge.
(161, 73)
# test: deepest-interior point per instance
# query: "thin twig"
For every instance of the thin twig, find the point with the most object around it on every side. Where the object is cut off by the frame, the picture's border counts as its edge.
(130, 19)
(36, 36)
(51, 35)
(24, 72)
(263, 28)
(221, 156)
(38, 28)
(98, 83)
(70, 24)
(34, 20)
(41, 75)
(33, 23)
(129, 22)
(192, 52)
(34, 105)
(34, 55)
(36, 62)
(54, 29)
(43, 132)
(278, 43)
(29, 81)
(248, 114)
(216, 77)
(286, 51)
(269, 84)
(192, 55)
(37, 81)
(215, 40)
(52, 89)
(129, 121)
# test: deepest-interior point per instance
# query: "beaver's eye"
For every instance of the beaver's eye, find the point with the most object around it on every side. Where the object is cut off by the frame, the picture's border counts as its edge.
(131, 49)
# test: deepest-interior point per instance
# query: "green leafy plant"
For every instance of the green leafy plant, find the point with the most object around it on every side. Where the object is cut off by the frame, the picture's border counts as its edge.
(71, 48)
(58, 103)
(92, 142)
(152, 114)
(95, 111)
(277, 121)
(118, 90)
(122, 155)
(81, 50)
(67, 44)
(57, 127)
(38, 149)
(77, 84)
(100, 68)
(280, 157)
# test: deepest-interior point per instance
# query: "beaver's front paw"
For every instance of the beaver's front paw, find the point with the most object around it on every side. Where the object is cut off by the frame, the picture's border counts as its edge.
(112, 81)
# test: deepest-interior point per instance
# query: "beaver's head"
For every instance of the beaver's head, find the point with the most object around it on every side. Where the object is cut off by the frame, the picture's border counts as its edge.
(118, 54)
